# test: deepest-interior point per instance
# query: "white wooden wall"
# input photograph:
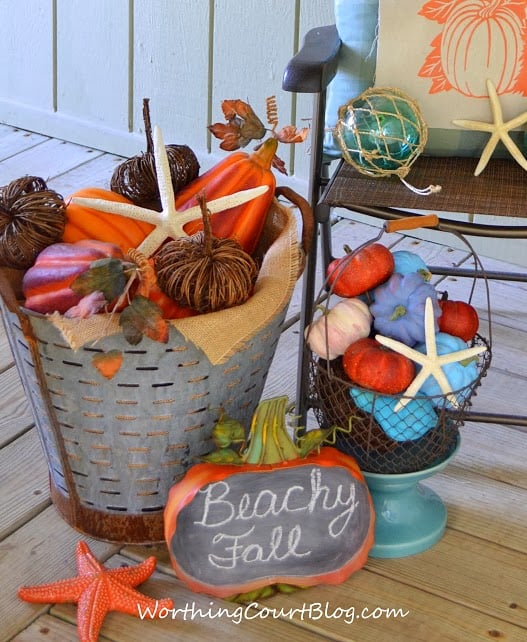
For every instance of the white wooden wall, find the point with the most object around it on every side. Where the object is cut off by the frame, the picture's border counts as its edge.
(79, 69)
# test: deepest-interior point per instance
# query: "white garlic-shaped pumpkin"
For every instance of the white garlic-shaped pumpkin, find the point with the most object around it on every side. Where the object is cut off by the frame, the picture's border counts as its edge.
(330, 334)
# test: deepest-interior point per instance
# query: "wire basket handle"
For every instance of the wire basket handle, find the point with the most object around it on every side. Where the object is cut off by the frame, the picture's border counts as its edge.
(411, 223)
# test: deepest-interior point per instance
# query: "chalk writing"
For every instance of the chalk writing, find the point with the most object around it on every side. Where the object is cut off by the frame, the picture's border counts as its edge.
(280, 523)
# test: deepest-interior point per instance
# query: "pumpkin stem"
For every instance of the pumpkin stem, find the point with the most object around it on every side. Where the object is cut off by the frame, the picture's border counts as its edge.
(148, 126)
(398, 312)
(207, 227)
(264, 155)
(269, 440)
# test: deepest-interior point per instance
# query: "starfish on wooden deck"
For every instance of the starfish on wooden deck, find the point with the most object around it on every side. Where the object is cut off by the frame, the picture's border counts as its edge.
(431, 363)
(169, 222)
(498, 129)
(98, 590)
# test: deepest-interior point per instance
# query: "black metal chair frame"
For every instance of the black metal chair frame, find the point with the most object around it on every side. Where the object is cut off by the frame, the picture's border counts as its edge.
(310, 71)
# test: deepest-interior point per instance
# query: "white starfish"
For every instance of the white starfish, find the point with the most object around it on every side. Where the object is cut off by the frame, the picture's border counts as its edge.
(431, 363)
(498, 129)
(169, 222)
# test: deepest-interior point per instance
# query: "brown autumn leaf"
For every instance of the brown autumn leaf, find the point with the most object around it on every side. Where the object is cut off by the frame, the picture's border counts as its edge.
(279, 165)
(143, 318)
(292, 134)
(243, 125)
(108, 363)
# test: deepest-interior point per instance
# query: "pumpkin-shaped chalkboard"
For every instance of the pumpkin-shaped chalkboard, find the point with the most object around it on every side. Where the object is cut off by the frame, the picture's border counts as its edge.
(275, 518)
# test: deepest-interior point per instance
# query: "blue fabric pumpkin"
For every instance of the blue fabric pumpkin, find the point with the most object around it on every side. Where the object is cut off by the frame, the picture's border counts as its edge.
(407, 262)
(411, 422)
(399, 307)
(460, 374)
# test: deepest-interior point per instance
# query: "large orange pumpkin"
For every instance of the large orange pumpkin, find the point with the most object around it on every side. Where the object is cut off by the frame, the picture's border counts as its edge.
(238, 171)
(286, 513)
(86, 223)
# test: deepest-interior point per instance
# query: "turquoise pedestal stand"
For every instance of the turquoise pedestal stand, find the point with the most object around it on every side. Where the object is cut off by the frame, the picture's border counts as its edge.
(409, 517)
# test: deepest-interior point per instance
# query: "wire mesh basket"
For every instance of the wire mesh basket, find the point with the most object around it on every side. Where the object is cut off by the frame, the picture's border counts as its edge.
(392, 433)
(115, 447)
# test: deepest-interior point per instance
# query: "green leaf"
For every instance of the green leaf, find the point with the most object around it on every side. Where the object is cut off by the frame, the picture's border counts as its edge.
(143, 318)
(104, 275)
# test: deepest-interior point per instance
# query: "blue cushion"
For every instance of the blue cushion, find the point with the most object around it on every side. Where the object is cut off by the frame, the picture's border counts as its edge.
(356, 22)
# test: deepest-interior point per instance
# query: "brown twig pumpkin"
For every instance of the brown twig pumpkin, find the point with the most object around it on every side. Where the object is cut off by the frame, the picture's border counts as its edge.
(135, 178)
(203, 272)
(31, 218)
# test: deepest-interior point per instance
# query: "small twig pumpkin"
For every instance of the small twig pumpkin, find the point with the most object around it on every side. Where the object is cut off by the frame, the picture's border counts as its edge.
(31, 218)
(135, 178)
(203, 272)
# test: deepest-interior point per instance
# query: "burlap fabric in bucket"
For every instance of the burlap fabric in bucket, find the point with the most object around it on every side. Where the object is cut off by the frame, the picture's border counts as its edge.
(115, 447)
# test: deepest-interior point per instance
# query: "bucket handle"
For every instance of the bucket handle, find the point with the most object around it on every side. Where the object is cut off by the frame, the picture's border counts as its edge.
(306, 213)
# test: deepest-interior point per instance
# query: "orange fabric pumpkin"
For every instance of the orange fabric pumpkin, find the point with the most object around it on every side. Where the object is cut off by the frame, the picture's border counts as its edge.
(86, 223)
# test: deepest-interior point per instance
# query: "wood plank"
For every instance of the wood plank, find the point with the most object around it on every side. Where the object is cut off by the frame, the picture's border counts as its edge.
(252, 73)
(23, 496)
(374, 608)
(309, 16)
(47, 159)
(193, 622)
(494, 451)
(42, 550)
(93, 67)
(6, 358)
(171, 54)
(423, 616)
(46, 628)
(26, 51)
(14, 140)
(96, 172)
(483, 507)
(500, 392)
(481, 575)
(15, 414)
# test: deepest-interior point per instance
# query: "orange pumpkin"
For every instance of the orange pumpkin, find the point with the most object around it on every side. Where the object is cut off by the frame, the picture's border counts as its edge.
(86, 223)
(370, 365)
(238, 171)
(356, 273)
(283, 513)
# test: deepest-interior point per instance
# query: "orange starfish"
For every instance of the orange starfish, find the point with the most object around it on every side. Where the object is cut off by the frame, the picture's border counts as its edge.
(98, 590)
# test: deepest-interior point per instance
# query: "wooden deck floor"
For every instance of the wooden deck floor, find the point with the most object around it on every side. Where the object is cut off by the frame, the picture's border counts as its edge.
(471, 586)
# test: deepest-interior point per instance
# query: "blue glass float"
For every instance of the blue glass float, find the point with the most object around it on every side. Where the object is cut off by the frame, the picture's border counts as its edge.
(381, 131)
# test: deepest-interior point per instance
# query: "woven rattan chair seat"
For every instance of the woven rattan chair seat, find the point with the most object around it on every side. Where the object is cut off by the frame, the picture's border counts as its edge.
(501, 190)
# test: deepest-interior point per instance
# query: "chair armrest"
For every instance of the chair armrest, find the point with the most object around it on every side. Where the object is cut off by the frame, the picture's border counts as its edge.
(314, 66)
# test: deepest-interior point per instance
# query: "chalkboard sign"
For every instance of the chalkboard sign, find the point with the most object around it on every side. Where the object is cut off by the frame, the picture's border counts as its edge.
(303, 523)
